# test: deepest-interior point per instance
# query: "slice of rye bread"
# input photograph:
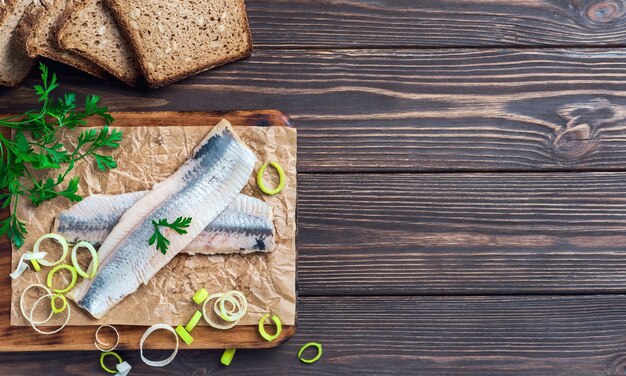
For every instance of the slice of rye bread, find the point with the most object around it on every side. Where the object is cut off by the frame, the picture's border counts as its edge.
(176, 39)
(37, 33)
(91, 31)
(14, 62)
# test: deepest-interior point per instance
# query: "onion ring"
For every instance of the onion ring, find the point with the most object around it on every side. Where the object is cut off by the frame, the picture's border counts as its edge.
(208, 318)
(61, 240)
(98, 341)
(32, 323)
(22, 265)
(237, 300)
(158, 363)
(94, 260)
(22, 302)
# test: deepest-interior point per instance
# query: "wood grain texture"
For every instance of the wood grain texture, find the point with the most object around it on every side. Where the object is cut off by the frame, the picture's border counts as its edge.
(423, 23)
(411, 110)
(405, 234)
(14, 338)
(487, 336)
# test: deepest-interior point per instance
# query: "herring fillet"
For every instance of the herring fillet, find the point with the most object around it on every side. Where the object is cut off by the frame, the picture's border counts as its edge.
(245, 226)
(201, 188)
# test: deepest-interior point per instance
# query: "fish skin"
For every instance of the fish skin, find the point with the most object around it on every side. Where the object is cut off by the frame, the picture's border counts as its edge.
(245, 226)
(201, 188)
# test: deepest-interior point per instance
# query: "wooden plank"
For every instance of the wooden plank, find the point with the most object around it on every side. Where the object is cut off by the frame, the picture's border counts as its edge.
(487, 336)
(422, 23)
(425, 234)
(13, 338)
(409, 110)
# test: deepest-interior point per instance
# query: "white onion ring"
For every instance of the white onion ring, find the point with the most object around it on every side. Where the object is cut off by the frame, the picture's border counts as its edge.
(32, 310)
(158, 363)
(239, 301)
(22, 265)
(117, 341)
(61, 240)
(93, 265)
(48, 292)
(208, 318)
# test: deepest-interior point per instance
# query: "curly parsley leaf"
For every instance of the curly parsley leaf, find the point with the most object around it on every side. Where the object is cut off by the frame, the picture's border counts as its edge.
(37, 149)
(162, 243)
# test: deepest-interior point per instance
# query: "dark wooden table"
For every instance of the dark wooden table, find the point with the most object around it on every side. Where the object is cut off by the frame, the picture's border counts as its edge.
(462, 188)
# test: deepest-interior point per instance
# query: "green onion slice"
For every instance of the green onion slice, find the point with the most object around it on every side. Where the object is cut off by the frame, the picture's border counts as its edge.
(104, 355)
(55, 309)
(72, 283)
(268, 337)
(193, 321)
(200, 296)
(315, 358)
(227, 356)
(281, 179)
(61, 240)
(184, 335)
(94, 260)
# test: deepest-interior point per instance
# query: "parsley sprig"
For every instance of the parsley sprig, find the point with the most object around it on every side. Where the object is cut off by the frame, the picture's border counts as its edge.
(43, 152)
(162, 243)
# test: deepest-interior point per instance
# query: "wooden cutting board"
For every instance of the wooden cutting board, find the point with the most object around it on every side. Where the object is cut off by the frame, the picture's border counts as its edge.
(19, 338)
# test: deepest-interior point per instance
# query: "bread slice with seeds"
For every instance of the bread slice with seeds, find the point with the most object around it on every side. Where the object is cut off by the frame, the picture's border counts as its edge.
(91, 31)
(14, 62)
(37, 33)
(176, 39)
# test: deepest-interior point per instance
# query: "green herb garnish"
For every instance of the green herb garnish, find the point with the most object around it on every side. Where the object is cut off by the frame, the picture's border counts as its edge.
(162, 243)
(44, 151)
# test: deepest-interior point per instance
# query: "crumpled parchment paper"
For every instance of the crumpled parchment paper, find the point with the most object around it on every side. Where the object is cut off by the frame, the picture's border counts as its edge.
(146, 156)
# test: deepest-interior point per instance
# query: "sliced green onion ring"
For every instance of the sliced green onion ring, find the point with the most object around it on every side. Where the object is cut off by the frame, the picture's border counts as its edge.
(98, 341)
(158, 363)
(32, 311)
(315, 358)
(279, 327)
(193, 321)
(184, 334)
(48, 292)
(94, 260)
(200, 295)
(61, 240)
(227, 356)
(281, 179)
(104, 355)
(55, 309)
(208, 318)
(56, 269)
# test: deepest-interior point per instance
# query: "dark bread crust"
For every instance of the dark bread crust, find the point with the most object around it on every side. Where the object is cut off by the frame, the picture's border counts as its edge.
(61, 31)
(31, 20)
(26, 26)
(154, 84)
(5, 12)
